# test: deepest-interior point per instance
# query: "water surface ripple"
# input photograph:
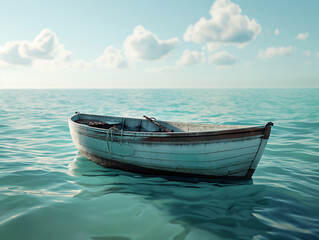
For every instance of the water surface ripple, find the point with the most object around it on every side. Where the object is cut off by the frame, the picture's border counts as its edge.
(49, 191)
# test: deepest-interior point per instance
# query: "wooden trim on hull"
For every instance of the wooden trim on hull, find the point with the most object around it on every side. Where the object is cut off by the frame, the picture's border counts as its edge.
(268, 130)
(208, 137)
(108, 163)
(172, 138)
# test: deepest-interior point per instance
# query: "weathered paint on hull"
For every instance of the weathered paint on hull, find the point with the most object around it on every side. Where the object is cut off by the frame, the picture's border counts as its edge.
(234, 155)
(108, 163)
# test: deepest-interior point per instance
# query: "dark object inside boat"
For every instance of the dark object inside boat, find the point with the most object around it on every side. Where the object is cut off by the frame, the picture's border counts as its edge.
(95, 123)
(108, 125)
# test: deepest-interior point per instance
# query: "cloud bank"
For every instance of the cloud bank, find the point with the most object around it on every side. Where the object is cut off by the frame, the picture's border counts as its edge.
(46, 52)
(226, 25)
(144, 45)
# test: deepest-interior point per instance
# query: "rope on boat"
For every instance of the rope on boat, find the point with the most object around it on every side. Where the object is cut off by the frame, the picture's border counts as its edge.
(109, 136)
(121, 137)
(107, 140)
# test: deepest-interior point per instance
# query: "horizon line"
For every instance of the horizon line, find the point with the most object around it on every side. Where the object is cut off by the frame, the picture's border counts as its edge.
(199, 88)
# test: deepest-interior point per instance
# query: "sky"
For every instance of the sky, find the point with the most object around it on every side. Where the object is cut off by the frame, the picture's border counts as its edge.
(159, 44)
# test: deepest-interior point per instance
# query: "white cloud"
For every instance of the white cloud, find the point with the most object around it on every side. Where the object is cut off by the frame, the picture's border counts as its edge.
(276, 51)
(223, 58)
(11, 54)
(112, 58)
(317, 54)
(306, 53)
(277, 31)
(227, 25)
(44, 47)
(191, 58)
(43, 53)
(302, 36)
(144, 45)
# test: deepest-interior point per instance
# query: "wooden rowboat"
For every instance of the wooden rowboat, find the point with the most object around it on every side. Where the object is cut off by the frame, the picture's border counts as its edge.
(188, 150)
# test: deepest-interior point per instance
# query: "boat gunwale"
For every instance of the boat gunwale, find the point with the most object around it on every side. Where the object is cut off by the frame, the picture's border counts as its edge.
(170, 134)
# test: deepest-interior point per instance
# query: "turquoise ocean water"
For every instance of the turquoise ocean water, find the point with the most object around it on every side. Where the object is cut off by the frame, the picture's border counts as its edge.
(49, 191)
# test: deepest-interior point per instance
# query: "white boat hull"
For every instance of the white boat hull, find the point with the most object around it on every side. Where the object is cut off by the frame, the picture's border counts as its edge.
(219, 154)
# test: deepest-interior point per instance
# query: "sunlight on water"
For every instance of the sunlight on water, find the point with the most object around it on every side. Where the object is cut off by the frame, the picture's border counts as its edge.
(49, 191)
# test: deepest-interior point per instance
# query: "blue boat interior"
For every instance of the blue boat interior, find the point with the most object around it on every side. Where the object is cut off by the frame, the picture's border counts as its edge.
(125, 124)
(143, 125)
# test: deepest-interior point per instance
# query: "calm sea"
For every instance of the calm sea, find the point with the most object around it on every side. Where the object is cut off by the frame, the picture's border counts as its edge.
(49, 191)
